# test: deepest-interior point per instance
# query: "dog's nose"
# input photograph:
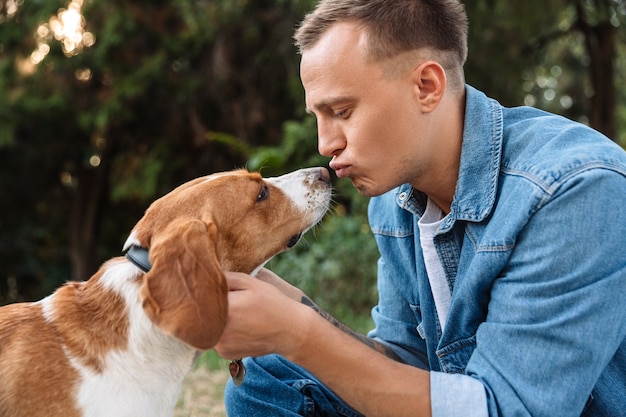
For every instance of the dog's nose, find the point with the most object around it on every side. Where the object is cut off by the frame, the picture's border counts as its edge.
(324, 175)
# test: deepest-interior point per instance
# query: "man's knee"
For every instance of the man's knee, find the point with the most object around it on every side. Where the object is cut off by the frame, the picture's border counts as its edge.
(267, 389)
(274, 386)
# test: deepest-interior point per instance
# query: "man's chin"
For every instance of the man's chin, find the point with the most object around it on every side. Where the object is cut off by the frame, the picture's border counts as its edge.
(365, 189)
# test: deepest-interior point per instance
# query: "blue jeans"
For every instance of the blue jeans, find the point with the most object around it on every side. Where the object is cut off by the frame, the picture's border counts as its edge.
(276, 387)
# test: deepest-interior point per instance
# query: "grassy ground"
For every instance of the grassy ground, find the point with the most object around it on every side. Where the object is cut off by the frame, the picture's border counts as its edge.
(203, 389)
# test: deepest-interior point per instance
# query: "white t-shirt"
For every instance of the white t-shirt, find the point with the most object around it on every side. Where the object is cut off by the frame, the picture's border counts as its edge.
(428, 225)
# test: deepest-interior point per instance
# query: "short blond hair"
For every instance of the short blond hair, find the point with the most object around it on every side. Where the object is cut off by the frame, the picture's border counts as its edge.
(394, 27)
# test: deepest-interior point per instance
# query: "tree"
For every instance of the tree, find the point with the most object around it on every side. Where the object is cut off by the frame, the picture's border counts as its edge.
(566, 51)
(135, 99)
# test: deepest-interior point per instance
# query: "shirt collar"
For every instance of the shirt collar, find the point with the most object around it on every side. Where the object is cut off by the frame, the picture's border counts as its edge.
(481, 153)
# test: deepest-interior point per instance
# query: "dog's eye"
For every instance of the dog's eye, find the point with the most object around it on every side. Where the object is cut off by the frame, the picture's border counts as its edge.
(264, 192)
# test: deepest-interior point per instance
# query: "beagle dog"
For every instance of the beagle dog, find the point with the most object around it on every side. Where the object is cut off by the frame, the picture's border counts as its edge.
(121, 343)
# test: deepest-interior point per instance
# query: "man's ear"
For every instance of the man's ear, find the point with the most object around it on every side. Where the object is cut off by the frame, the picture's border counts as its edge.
(429, 80)
(185, 293)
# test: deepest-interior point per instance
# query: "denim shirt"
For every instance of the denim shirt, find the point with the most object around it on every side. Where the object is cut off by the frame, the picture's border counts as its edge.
(534, 252)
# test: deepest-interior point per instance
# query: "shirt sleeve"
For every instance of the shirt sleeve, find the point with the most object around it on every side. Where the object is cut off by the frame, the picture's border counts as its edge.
(556, 313)
(408, 356)
(457, 395)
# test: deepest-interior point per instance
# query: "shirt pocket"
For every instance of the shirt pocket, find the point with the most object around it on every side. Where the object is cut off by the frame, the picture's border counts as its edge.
(454, 357)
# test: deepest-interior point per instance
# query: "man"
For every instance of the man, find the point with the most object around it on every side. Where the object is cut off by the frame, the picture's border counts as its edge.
(502, 275)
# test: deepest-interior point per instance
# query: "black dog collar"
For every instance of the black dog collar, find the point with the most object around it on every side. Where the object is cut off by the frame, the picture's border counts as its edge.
(140, 257)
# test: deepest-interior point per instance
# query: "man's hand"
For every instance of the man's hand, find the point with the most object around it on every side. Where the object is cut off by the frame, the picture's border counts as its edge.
(286, 288)
(268, 315)
(264, 316)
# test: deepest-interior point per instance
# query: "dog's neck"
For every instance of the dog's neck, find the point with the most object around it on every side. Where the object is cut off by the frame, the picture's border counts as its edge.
(156, 361)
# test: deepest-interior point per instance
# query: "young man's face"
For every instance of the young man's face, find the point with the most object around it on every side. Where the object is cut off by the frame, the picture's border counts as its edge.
(369, 121)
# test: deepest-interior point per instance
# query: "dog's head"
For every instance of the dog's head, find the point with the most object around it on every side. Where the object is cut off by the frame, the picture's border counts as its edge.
(233, 221)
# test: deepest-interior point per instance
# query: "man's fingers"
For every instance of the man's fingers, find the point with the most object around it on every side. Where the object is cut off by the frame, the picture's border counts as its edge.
(268, 276)
(286, 288)
(237, 280)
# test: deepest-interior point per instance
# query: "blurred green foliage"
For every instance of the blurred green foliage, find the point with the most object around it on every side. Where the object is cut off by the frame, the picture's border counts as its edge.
(174, 89)
(90, 136)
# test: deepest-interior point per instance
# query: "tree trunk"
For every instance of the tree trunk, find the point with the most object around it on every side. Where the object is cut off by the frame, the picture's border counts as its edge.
(86, 217)
(600, 44)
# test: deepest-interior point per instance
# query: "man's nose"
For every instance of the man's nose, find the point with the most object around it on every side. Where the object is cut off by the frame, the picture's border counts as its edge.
(330, 138)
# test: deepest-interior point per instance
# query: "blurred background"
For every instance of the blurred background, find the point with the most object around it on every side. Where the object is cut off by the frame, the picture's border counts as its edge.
(105, 105)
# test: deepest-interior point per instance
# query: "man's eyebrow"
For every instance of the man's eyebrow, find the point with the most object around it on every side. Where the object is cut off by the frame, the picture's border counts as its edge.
(329, 102)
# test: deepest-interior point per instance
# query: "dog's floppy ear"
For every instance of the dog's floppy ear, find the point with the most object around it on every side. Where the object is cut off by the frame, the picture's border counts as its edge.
(185, 293)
